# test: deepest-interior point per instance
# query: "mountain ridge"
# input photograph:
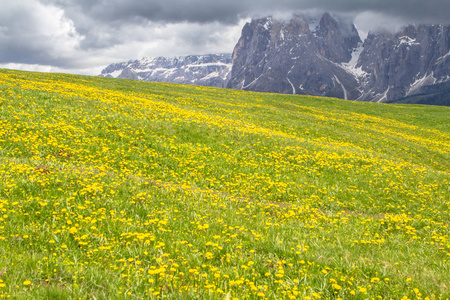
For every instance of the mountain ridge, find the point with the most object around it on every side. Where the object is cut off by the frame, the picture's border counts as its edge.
(205, 70)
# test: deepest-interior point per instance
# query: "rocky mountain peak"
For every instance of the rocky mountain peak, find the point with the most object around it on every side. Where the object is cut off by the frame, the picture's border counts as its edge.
(326, 57)
(328, 24)
(294, 56)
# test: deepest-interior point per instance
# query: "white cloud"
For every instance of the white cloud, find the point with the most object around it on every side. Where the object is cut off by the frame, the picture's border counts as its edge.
(52, 69)
(33, 32)
(372, 21)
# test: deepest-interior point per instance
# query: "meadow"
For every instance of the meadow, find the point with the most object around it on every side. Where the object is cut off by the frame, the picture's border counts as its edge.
(119, 189)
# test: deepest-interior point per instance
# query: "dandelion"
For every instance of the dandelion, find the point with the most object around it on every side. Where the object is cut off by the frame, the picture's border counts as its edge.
(362, 290)
(336, 286)
(375, 280)
(26, 283)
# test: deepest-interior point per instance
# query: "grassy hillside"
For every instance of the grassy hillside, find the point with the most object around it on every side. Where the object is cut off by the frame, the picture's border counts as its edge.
(116, 189)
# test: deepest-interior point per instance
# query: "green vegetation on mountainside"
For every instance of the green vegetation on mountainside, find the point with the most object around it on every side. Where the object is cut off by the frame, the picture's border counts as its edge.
(124, 189)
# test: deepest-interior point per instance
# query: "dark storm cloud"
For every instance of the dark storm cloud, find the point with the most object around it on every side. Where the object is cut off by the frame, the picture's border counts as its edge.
(205, 11)
(114, 11)
(101, 22)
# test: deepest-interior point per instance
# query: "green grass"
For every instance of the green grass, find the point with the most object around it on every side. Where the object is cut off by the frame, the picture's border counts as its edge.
(124, 189)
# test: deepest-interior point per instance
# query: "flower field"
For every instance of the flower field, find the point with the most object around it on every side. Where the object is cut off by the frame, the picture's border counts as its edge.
(118, 189)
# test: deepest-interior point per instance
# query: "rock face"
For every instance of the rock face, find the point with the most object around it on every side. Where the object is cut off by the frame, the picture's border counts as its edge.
(411, 62)
(325, 57)
(206, 70)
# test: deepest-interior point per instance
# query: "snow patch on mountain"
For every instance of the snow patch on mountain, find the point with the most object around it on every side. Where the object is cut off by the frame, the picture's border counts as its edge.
(408, 41)
(443, 58)
(313, 23)
(343, 87)
(423, 81)
(351, 66)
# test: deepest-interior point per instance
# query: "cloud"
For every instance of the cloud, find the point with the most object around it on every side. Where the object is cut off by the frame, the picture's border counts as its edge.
(81, 35)
(47, 36)
(102, 23)
(231, 11)
(31, 32)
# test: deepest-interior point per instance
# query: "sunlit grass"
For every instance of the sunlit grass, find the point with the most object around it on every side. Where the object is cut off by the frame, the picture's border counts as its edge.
(124, 189)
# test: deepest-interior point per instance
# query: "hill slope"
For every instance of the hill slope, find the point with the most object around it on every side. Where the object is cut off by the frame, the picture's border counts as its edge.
(124, 189)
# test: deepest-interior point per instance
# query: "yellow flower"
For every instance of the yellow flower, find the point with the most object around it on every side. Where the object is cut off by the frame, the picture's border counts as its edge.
(362, 290)
(26, 282)
(336, 286)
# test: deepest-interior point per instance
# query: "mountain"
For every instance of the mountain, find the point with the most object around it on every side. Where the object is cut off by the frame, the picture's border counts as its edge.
(321, 56)
(206, 70)
(325, 56)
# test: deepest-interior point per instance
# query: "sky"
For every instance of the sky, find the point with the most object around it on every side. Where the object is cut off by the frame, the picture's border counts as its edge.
(84, 36)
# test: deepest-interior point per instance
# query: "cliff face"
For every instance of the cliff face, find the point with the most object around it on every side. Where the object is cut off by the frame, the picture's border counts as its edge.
(206, 70)
(405, 63)
(326, 57)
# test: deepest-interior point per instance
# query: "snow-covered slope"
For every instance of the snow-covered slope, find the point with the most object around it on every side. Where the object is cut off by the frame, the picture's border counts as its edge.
(206, 70)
